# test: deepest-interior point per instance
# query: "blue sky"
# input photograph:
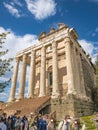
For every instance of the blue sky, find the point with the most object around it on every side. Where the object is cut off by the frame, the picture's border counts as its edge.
(26, 19)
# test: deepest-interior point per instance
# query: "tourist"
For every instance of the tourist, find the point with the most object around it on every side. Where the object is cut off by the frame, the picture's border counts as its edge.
(2, 124)
(43, 123)
(52, 124)
(26, 124)
(83, 127)
(9, 123)
(76, 124)
(17, 123)
(34, 124)
(65, 124)
(33, 127)
(22, 124)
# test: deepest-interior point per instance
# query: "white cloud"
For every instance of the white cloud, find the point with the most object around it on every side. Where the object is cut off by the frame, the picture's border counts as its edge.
(17, 2)
(96, 30)
(15, 43)
(94, 1)
(12, 10)
(41, 9)
(93, 34)
(89, 48)
(3, 96)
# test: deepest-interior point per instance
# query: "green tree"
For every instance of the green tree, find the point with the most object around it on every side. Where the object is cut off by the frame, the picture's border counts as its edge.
(5, 64)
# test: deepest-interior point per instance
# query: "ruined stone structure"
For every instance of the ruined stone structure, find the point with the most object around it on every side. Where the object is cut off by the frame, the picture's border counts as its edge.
(60, 68)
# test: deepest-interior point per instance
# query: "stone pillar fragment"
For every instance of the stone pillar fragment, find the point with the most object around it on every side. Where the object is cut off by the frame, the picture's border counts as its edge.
(32, 75)
(14, 81)
(68, 51)
(43, 72)
(55, 90)
(22, 78)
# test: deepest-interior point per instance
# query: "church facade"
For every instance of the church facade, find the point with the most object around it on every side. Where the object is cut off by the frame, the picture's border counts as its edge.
(59, 68)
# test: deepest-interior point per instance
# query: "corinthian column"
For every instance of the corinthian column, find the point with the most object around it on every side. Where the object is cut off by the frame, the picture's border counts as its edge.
(42, 72)
(32, 75)
(76, 70)
(83, 91)
(22, 78)
(14, 81)
(68, 51)
(55, 91)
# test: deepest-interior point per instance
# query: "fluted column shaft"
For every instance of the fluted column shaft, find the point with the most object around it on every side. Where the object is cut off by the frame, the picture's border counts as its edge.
(32, 75)
(55, 90)
(76, 70)
(14, 81)
(43, 72)
(23, 78)
(83, 91)
(68, 51)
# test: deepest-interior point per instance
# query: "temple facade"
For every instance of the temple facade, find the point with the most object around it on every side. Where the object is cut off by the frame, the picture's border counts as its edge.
(59, 68)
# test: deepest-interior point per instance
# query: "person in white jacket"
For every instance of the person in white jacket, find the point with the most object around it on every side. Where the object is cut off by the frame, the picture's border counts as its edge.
(65, 124)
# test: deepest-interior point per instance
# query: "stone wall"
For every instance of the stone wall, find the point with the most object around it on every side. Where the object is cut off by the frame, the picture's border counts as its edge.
(88, 73)
(71, 105)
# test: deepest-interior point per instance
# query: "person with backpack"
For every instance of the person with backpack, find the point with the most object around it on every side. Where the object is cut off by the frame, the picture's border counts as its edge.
(65, 124)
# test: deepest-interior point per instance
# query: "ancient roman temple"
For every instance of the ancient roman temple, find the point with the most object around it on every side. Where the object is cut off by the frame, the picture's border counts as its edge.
(60, 69)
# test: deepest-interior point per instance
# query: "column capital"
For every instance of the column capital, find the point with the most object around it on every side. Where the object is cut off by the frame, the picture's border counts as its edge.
(32, 51)
(24, 58)
(17, 59)
(43, 48)
(67, 39)
(24, 55)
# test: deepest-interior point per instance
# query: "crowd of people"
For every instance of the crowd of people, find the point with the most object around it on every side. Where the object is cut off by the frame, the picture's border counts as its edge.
(38, 122)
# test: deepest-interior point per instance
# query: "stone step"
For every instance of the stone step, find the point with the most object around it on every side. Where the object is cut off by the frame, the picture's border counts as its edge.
(27, 106)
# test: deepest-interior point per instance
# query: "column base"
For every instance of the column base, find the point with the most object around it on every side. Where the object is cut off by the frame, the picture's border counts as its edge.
(72, 92)
(55, 95)
(11, 100)
(30, 96)
(41, 95)
(84, 97)
(19, 98)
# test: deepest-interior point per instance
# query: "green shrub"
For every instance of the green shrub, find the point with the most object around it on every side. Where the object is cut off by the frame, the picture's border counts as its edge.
(88, 121)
